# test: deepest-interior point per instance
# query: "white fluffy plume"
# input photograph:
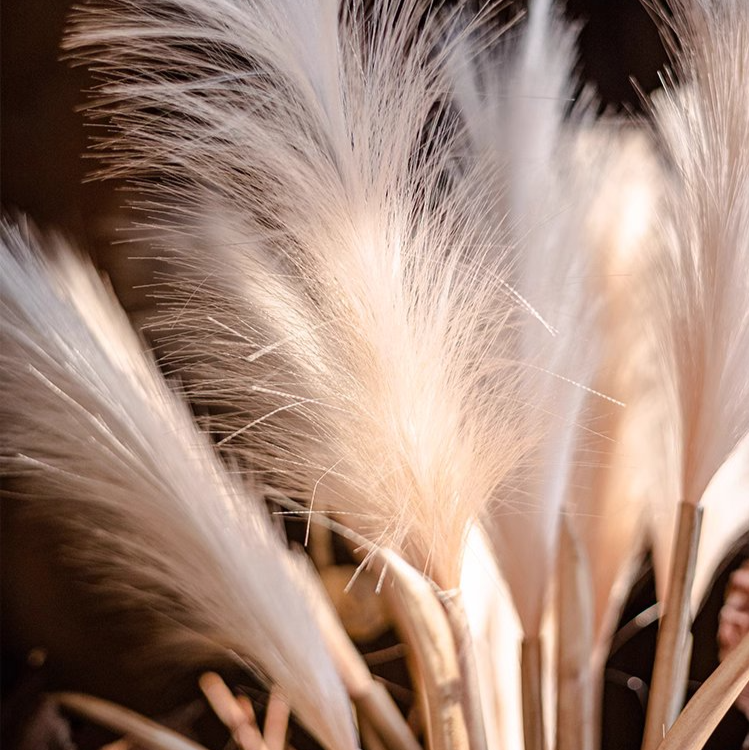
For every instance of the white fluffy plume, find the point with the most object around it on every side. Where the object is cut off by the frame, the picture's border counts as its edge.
(353, 302)
(514, 102)
(95, 434)
(612, 482)
(701, 298)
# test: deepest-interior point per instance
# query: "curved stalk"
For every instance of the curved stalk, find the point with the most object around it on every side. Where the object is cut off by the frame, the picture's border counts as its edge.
(708, 706)
(424, 625)
(574, 645)
(531, 661)
(145, 731)
(456, 616)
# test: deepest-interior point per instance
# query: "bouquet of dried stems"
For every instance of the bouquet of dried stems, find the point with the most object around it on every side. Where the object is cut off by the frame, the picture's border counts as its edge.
(421, 296)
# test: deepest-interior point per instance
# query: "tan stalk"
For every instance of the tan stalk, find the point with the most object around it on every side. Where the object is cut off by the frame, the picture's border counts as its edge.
(531, 671)
(276, 724)
(146, 732)
(666, 692)
(575, 610)
(369, 737)
(372, 700)
(425, 627)
(708, 706)
(243, 729)
(456, 616)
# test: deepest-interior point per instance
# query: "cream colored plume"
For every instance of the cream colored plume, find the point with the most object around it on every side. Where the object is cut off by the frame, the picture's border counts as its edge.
(700, 299)
(101, 443)
(618, 475)
(339, 298)
(513, 101)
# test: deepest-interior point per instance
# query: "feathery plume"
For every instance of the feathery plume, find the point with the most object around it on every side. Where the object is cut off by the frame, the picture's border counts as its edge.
(355, 308)
(702, 294)
(701, 289)
(613, 487)
(89, 425)
(514, 103)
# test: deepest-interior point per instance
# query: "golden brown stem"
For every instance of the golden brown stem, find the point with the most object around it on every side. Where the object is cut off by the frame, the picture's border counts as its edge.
(276, 722)
(371, 699)
(424, 625)
(667, 686)
(531, 660)
(146, 732)
(709, 704)
(456, 615)
(243, 728)
(369, 737)
(575, 609)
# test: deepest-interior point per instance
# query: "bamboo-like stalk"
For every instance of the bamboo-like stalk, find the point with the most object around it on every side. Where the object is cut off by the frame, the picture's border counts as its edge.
(575, 610)
(276, 725)
(146, 732)
(370, 739)
(666, 694)
(709, 704)
(456, 616)
(242, 726)
(370, 698)
(425, 627)
(531, 675)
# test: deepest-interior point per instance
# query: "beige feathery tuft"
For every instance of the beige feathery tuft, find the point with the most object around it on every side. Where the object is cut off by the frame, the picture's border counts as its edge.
(514, 103)
(101, 443)
(700, 299)
(699, 290)
(339, 299)
(701, 303)
(614, 486)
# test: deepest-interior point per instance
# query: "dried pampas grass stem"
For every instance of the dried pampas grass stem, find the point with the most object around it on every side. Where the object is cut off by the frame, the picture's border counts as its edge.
(709, 704)
(146, 732)
(241, 724)
(575, 728)
(531, 677)
(668, 684)
(425, 627)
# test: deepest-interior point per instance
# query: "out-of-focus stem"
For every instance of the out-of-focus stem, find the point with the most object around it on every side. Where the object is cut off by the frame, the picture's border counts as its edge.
(456, 615)
(243, 727)
(531, 661)
(709, 704)
(371, 699)
(276, 724)
(575, 610)
(369, 737)
(667, 686)
(146, 732)
(425, 627)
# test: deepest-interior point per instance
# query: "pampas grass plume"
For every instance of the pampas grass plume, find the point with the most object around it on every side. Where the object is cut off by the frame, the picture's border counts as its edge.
(104, 445)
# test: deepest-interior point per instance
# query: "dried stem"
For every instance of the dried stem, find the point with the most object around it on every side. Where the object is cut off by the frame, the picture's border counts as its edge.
(146, 732)
(369, 737)
(424, 625)
(233, 715)
(709, 704)
(531, 660)
(575, 728)
(276, 722)
(456, 616)
(668, 685)
(371, 699)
